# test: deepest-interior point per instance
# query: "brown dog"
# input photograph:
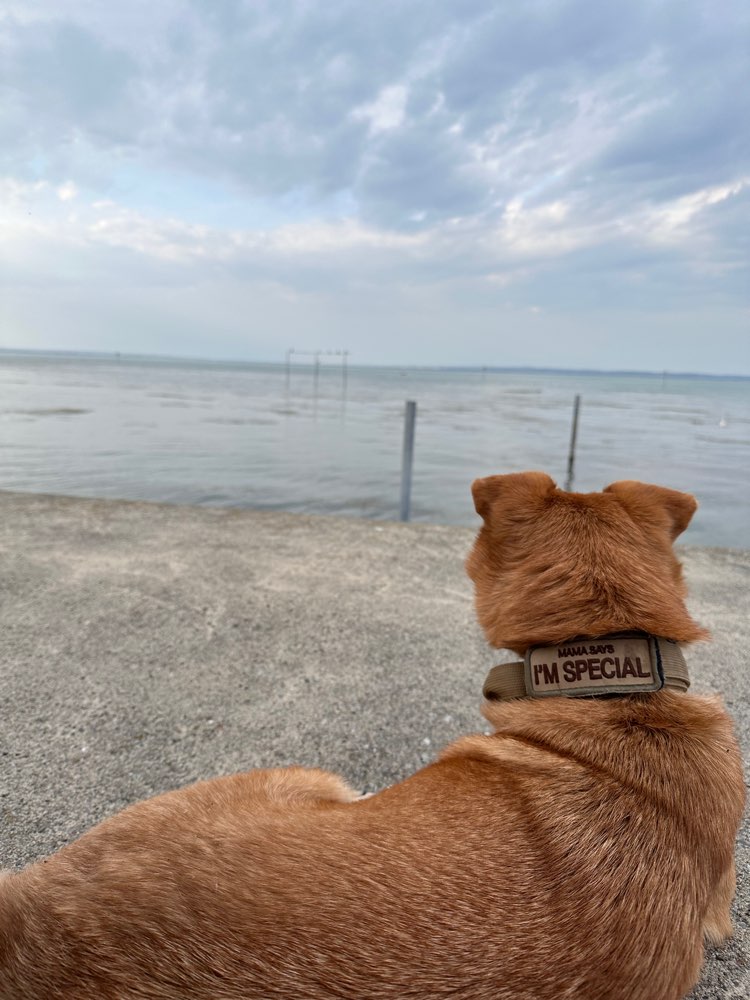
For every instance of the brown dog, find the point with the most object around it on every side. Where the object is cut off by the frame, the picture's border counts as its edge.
(583, 850)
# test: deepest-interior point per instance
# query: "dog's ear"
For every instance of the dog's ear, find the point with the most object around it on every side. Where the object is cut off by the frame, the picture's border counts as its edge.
(655, 504)
(517, 489)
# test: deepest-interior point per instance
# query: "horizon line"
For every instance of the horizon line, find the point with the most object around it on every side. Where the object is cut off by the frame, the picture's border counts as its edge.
(538, 369)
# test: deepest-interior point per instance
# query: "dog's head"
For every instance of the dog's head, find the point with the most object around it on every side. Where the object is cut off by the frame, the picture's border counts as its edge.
(549, 565)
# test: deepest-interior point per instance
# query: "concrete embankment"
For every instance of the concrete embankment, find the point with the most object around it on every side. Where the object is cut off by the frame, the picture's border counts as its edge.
(144, 646)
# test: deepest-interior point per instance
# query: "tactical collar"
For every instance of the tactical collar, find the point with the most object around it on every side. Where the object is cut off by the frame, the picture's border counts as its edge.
(620, 663)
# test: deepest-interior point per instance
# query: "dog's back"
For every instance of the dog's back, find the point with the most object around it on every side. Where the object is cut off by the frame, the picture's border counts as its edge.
(523, 864)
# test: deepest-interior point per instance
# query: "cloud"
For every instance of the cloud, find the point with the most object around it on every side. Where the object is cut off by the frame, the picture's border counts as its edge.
(385, 112)
(671, 221)
(341, 97)
(554, 155)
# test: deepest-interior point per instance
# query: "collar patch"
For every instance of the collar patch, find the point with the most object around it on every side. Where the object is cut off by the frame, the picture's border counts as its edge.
(618, 664)
(612, 665)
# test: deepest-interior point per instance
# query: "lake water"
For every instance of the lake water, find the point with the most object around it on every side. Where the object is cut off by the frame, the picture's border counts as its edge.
(246, 435)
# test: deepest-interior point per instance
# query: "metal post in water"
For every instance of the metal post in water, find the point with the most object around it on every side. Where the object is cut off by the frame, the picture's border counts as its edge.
(316, 372)
(344, 373)
(573, 437)
(410, 418)
(289, 354)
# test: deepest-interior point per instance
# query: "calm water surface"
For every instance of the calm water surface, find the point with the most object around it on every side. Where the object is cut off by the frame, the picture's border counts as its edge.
(238, 434)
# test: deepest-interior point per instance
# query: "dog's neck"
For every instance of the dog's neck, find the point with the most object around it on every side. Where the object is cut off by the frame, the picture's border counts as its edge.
(614, 664)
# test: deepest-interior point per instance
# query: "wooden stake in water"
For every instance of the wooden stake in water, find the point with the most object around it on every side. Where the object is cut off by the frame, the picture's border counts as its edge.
(573, 436)
(410, 418)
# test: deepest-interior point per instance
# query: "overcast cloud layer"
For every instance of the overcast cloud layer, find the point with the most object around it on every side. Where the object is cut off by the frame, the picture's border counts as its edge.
(553, 183)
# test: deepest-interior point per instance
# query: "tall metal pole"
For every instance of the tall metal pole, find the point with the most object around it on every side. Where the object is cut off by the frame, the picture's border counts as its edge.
(573, 437)
(410, 417)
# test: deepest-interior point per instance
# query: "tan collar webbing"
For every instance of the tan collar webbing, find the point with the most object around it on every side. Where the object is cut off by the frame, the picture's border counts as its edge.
(621, 663)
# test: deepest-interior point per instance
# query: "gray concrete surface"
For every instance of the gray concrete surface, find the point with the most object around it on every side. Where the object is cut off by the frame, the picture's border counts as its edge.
(144, 646)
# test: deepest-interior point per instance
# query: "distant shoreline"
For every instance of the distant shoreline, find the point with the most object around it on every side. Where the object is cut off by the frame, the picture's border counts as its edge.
(128, 358)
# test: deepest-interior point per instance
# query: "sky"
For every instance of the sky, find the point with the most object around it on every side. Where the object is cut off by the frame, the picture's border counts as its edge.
(561, 183)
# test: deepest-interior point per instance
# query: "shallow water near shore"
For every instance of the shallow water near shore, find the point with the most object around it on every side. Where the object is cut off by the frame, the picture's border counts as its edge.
(236, 434)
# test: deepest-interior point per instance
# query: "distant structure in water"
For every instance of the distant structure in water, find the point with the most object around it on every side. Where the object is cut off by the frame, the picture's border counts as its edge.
(316, 355)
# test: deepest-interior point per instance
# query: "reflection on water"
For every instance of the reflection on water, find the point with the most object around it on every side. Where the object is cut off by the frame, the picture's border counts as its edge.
(244, 435)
